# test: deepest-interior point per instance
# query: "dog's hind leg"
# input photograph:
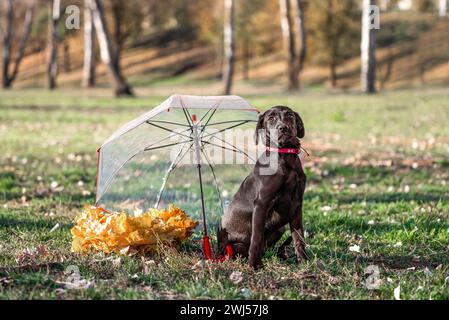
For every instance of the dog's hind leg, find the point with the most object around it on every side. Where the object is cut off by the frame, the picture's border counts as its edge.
(274, 237)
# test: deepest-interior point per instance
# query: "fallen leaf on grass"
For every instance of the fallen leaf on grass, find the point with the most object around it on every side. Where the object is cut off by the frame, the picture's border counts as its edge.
(56, 227)
(246, 293)
(77, 285)
(31, 255)
(427, 272)
(116, 263)
(5, 281)
(236, 277)
(198, 266)
(397, 293)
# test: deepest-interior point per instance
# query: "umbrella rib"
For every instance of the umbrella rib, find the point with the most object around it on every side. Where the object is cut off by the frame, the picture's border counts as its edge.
(173, 165)
(231, 127)
(223, 147)
(212, 114)
(167, 145)
(235, 147)
(215, 179)
(161, 127)
(107, 184)
(165, 138)
(230, 121)
(204, 115)
(186, 113)
(168, 122)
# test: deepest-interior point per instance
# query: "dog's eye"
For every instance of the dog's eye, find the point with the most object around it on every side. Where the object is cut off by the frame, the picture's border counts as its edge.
(271, 118)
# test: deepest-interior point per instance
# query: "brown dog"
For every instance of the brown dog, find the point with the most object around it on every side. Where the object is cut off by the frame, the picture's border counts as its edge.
(266, 203)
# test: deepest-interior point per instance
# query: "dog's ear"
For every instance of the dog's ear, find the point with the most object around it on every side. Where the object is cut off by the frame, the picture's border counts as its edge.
(300, 131)
(259, 127)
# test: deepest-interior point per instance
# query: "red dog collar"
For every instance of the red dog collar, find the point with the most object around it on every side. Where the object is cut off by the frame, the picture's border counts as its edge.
(284, 150)
(290, 150)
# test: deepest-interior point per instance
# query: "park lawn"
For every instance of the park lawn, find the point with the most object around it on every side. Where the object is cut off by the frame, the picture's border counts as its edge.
(377, 195)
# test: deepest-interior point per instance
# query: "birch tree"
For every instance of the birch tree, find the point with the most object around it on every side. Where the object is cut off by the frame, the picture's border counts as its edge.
(8, 78)
(368, 47)
(52, 63)
(229, 45)
(294, 35)
(89, 47)
(106, 49)
(302, 45)
(442, 8)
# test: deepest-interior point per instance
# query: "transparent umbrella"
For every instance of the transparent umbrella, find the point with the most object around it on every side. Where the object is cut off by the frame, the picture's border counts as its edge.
(192, 151)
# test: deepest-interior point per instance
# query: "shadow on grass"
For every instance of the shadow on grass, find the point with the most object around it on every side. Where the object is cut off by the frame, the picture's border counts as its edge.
(435, 196)
(31, 224)
(401, 262)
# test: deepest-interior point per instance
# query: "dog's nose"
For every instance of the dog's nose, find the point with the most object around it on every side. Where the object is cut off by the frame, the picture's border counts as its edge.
(283, 129)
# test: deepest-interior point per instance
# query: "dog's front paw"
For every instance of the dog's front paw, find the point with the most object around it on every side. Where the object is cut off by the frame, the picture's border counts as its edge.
(255, 263)
(256, 266)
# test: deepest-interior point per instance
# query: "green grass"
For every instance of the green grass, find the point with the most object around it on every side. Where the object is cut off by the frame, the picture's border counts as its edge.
(378, 178)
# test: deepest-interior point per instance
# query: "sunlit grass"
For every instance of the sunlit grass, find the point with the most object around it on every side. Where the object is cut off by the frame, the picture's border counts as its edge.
(378, 178)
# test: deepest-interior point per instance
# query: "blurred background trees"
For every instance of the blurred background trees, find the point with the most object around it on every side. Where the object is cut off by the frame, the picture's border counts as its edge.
(141, 43)
(9, 37)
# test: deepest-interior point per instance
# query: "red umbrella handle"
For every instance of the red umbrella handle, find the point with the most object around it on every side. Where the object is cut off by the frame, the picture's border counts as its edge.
(208, 253)
(206, 247)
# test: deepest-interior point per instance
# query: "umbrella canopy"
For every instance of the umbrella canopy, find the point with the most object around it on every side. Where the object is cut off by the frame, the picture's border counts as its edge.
(151, 160)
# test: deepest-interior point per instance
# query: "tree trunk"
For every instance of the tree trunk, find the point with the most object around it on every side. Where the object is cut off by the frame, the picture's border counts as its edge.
(333, 73)
(106, 52)
(229, 45)
(289, 42)
(442, 8)
(89, 48)
(368, 50)
(302, 37)
(117, 9)
(7, 44)
(27, 23)
(294, 35)
(384, 4)
(52, 66)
